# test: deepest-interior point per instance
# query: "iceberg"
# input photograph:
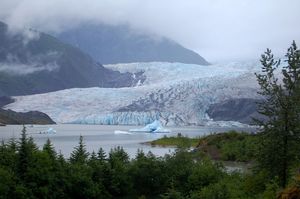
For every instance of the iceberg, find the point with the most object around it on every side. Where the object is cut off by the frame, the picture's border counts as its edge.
(118, 132)
(154, 127)
(51, 131)
(226, 124)
(48, 131)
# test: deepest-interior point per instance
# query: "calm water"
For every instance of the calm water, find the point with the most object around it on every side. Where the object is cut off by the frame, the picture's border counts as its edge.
(96, 136)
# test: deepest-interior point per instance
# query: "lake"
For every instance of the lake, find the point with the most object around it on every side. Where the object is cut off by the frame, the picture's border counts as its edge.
(105, 136)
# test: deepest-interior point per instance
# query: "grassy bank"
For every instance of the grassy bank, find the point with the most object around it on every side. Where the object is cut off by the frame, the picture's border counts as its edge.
(178, 141)
(228, 146)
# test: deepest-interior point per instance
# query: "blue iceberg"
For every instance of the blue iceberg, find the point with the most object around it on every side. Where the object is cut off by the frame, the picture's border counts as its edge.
(51, 131)
(154, 127)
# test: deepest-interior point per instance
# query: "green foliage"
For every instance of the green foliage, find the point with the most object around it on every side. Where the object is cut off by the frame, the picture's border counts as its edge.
(229, 146)
(79, 155)
(147, 175)
(179, 175)
(8, 156)
(271, 190)
(7, 183)
(117, 155)
(49, 149)
(172, 194)
(255, 183)
(119, 182)
(227, 188)
(179, 141)
(279, 143)
(204, 175)
(220, 138)
(179, 168)
(243, 149)
(25, 155)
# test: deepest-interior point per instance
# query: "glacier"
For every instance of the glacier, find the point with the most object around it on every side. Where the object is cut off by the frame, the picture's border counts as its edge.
(172, 93)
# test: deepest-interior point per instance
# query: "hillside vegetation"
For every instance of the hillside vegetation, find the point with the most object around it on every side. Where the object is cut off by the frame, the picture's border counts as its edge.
(228, 146)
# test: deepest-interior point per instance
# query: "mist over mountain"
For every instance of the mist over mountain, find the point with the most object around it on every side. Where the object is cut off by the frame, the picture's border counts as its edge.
(219, 31)
(34, 62)
(110, 44)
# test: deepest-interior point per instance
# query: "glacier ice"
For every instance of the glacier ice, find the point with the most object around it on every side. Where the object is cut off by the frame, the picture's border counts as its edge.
(173, 93)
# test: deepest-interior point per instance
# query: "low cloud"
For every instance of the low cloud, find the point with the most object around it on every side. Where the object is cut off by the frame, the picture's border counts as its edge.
(44, 62)
(29, 35)
(218, 30)
(19, 69)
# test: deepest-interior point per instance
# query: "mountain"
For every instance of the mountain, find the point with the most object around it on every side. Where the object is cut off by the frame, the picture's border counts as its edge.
(31, 117)
(173, 93)
(120, 44)
(34, 62)
(4, 100)
(12, 117)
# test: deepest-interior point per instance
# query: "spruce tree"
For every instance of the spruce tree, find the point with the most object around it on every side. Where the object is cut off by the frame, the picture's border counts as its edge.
(8, 154)
(101, 155)
(279, 138)
(79, 155)
(49, 149)
(25, 152)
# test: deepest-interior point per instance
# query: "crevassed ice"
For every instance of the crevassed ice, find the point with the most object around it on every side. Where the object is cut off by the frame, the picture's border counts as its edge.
(173, 93)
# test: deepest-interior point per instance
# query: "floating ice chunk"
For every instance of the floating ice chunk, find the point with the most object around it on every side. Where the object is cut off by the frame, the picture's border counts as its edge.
(226, 124)
(162, 130)
(122, 132)
(51, 131)
(154, 127)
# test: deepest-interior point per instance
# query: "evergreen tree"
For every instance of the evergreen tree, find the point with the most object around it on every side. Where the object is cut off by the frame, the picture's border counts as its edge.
(61, 160)
(79, 155)
(101, 155)
(7, 184)
(279, 138)
(25, 154)
(147, 175)
(140, 154)
(49, 149)
(118, 155)
(93, 156)
(8, 154)
(119, 184)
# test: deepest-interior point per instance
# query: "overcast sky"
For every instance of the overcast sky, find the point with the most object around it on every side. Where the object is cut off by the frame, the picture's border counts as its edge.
(219, 30)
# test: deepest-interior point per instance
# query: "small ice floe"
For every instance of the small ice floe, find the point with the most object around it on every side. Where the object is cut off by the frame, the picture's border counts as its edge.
(117, 132)
(226, 124)
(154, 127)
(49, 131)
